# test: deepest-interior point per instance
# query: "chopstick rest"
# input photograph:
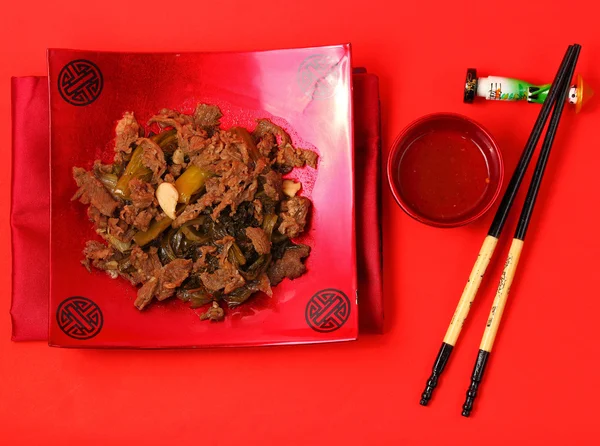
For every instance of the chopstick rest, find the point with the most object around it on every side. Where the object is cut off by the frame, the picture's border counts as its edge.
(510, 267)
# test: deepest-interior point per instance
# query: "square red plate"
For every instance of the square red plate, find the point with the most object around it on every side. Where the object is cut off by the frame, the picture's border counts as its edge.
(307, 91)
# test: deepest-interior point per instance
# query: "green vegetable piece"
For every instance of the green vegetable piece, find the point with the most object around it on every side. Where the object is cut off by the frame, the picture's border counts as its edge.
(135, 169)
(191, 181)
(142, 238)
(235, 255)
(109, 180)
(167, 140)
(268, 225)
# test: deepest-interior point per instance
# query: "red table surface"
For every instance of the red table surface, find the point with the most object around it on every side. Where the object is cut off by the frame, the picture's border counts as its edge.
(541, 386)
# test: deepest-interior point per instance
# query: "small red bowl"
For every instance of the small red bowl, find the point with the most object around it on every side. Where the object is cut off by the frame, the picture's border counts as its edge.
(445, 170)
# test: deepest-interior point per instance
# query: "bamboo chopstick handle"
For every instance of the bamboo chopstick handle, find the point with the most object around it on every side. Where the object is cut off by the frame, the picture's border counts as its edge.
(460, 314)
(491, 328)
(470, 291)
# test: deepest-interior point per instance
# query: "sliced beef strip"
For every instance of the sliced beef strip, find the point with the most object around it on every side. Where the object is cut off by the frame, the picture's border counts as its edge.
(289, 157)
(235, 186)
(231, 150)
(215, 313)
(290, 265)
(260, 241)
(94, 250)
(153, 158)
(265, 126)
(161, 282)
(143, 219)
(225, 245)
(273, 185)
(244, 144)
(100, 256)
(261, 166)
(175, 170)
(139, 219)
(195, 143)
(208, 153)
(267, 145)
(172, 275)
(309, 157)
(128, 214)
(187, 135)
(92, 191)
(207, 116)
(226, 278)
(258, 210)
(119, 229)
(127, 131)
(231, 165)
(145, 263)
(201, 264)
(192, 211)
(100, 168)
(234, 196)
(262, 284)
(293, 216)
(171, 118)
(141, 193)
(215, 190)
(146, 293)
(100, 221)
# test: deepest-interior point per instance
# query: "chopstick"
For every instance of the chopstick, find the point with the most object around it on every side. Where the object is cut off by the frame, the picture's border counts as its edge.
(510, 267)
(490, 242)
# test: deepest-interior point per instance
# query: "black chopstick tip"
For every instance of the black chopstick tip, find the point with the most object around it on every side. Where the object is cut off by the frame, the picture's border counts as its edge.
(438, 368)
(427, 393)
(425, 399)
(471, 394)
(476, 377)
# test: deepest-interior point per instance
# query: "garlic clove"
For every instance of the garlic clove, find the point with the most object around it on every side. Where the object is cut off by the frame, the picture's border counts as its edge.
(167, 196)
(291, 188)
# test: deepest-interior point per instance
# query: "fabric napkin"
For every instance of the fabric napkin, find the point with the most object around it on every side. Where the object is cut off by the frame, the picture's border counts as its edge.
(367, 172)
(30, 205)
(30, 209)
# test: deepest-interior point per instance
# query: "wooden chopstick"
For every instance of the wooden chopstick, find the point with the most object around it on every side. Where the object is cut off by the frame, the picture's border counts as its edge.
(490, 242)
(510, 267)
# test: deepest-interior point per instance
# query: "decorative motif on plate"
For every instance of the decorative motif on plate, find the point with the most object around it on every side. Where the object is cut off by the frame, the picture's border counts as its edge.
(327, 310)
(80, 82)
(79, 318)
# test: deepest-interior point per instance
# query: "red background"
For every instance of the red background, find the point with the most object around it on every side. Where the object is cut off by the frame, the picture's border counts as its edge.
(541, 386)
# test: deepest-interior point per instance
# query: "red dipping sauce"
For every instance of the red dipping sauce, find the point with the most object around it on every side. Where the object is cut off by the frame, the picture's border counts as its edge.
(445, 170)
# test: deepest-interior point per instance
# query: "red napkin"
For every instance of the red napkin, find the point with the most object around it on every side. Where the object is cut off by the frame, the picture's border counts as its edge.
(367, 156)
(30, 209)
(30, 205)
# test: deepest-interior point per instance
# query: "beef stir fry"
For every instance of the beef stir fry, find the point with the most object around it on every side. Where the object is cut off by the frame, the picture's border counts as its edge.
(195, 211)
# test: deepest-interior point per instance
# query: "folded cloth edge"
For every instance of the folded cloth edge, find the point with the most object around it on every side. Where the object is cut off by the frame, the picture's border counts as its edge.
(29, 110)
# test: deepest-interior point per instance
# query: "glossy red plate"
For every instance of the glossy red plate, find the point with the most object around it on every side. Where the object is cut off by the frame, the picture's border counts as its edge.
(307, 91)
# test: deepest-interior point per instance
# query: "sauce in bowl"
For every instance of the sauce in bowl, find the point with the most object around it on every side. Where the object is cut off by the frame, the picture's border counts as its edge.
(445, 170)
